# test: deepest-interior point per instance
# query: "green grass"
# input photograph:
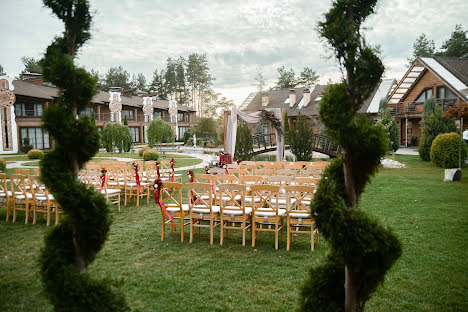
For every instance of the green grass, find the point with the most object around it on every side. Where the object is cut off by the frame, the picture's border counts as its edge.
(136, 156)
(429, 216)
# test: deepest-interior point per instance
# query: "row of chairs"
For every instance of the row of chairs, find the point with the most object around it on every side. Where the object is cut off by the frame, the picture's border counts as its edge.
(232, 206)
(29, 194)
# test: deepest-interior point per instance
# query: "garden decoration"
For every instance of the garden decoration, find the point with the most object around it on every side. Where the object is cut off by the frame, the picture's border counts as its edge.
(157, 198)
(157, 170)
(172, 173)
(361, 249)
(73, 244)
(190, 176)
(103, 179)
(270, 117)
(137, 176)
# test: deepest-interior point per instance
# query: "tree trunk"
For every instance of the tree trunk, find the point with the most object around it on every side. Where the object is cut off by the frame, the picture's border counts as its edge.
(350, 290)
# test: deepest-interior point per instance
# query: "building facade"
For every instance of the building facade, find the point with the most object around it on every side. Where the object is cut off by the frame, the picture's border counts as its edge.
(445, 78)
(21, 118)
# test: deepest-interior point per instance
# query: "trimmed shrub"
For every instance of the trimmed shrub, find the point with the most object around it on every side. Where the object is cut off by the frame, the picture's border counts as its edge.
(444, 150)
(150, 155)
(2, 164)
(159, 131)
(301, 138)
(244, 142)
(35, 154)
(142, 150)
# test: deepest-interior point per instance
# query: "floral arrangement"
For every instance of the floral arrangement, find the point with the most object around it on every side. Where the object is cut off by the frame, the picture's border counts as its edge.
(270, 117)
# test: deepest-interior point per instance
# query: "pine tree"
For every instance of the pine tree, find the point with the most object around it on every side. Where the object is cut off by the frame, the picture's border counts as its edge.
(244, 142)
(72, 245)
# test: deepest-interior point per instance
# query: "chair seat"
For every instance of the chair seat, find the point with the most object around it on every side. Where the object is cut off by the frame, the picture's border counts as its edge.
(299, 215)
(115, 183)
(43, 197)
(30, 196)
(185, 207)
(248, 199)
(3, 194)
(282, 201)
(111, 191)
(237, 212)
(281, 212)
(198, 209)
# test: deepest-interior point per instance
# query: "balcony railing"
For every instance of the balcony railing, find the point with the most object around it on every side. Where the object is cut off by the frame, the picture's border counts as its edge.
(105, 117)
(417, 108)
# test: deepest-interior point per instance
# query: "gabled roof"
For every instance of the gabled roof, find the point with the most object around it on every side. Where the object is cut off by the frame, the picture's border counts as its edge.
(452, 70)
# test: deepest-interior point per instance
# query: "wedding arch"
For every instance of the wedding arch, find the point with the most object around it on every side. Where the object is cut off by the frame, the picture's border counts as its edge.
(272, 115)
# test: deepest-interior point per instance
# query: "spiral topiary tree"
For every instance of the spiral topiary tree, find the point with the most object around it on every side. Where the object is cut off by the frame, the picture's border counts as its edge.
(362, 250)
(72, 245)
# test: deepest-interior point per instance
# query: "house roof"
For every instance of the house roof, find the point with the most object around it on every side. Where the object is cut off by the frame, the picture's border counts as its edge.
(452, 70)
(280, 99)
(45, 92)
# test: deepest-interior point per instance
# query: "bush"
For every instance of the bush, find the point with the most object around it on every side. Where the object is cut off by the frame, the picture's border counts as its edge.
(35, 154)
(142, 150)
(244, 142)
(444, 150)
(301, 139)
(391, 127)
(159, 131)
(432, 124)
(2, 164)
(201, 142)
(150, 155)
(186, 137)
(117, 136)
(205, 127)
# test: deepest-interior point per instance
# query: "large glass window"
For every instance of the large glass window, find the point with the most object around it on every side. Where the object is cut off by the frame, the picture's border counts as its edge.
(182, 131)
(38, 138)
(135, 134)
(88, 112)
(445, 93)
(187, 117)
(29, 110)
(127, 113)
(426, 94)
(157, 115)
(180, 117)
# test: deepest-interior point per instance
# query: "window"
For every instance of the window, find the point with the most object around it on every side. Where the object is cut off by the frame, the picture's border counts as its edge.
(180, 117)
(135, 134)
(187, 117)
(157, 115)
(30, 110)
(37, 137)
(182, 131)
(88, 112)
(426, 94)
(127, 113)
(445, 93)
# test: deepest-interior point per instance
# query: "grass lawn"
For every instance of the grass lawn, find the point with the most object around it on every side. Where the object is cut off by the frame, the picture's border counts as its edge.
(136, 156)
(428, 215)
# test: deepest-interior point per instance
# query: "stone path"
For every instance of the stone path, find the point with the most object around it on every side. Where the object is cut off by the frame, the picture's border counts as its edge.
(206, 160)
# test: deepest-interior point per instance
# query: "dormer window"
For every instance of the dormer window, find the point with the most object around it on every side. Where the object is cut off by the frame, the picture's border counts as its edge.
(425, 95)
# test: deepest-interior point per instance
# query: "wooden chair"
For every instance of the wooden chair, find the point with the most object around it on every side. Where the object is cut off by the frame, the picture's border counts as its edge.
(171, 196)
(247, 163)
(5, 195)
(238, 172)
(283, 163)
(307, 181)
(299, 219)
(261, 164)
(249, 168)
(232, 166)
(265, 172)
(216, 171)
(303, 163)
(294, 166)
(202, 178)
(25, 172)
(131, 187)
(280, 181)
(265, 213)
(233, 210)
(286, 172)
(311, 173)
(203, 214)
(221, 179)
(112, 194)
(40, 200)
(21, 198)
(274, 165)
(36, 171)
(250, 179)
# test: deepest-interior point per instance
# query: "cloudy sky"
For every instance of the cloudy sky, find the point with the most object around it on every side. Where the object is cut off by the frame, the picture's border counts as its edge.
(240, 37)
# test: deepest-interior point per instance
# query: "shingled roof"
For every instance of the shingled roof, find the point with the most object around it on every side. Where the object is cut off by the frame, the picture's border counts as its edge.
(277, 99)
(457, 66)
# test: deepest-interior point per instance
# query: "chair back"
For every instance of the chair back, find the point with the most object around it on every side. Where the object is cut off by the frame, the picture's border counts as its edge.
(238, 172)
(233, 197)
(307, 181)
(265, 172)
(171, 194)
(202, 178)
(261, 164)
(250, 179)
(36, 171)
(247, 162)
(232, 166)
(311, 173)
(274, 165)
(25, 172)
(18, 185)
(286, 172)
(298, 198)
(279, 180)
(265, 197)
(216, 170)
(3, 185)
(200, 195)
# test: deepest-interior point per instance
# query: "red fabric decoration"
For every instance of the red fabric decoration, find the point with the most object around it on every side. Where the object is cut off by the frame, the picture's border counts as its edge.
(103, 179)
(157, 198)
(137, 177)
(172, 167)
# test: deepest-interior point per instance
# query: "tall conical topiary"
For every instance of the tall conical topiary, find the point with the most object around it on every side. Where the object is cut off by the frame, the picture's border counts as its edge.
(72, 245)
(361, 249)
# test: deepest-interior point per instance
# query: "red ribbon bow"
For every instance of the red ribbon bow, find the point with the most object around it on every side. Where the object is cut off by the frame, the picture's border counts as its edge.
(103, 179)
(157, 169)
(137, 176)
(157, 198)
(172, 167)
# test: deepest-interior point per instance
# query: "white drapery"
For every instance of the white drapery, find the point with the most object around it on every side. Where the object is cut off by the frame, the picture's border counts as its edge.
(231, 130)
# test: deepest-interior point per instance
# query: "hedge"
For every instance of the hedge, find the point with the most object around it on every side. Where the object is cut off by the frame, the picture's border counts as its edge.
(444, 150)
(35, 154)
(150, 155)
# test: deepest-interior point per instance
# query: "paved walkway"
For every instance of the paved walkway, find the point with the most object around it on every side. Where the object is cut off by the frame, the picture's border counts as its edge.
(206, 160)
(407, 151)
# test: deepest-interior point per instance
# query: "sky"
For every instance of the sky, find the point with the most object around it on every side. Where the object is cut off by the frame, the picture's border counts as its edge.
(240, 37)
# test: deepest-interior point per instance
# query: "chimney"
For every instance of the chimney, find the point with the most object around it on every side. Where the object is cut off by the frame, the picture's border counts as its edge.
(292, 97)
(265, 99)
(306, 97)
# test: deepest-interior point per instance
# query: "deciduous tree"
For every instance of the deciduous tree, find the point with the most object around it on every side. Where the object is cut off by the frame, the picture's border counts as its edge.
(286, 78)
(159, 131)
